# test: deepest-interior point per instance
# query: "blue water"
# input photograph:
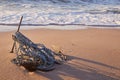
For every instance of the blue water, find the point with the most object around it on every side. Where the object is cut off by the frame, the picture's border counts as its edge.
(104, 13)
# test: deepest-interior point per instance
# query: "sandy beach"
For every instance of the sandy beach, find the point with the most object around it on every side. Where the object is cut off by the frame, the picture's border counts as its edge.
(94, 54)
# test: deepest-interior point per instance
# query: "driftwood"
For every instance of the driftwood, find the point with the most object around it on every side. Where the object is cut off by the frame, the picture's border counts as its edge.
(33, 56)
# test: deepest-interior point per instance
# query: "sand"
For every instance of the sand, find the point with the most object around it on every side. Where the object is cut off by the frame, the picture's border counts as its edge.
(94, 54)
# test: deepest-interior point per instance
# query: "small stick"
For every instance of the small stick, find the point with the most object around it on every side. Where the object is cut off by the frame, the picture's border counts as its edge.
(20, 24)
(12, 50)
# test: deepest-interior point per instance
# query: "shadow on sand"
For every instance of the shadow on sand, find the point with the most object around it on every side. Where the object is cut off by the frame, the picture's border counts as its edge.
(80, 71)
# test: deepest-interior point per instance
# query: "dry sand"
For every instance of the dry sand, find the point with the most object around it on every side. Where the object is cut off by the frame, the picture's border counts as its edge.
(94, 55)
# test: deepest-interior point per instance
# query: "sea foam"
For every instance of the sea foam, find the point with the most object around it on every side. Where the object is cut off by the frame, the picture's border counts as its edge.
(61, 12)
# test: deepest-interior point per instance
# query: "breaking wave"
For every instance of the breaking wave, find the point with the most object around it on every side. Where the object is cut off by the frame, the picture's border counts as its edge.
(61, 12)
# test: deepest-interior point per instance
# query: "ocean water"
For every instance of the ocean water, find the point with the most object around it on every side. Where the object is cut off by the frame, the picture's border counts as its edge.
(59, 13)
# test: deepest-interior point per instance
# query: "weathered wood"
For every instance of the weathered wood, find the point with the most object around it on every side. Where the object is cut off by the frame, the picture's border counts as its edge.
(17, 31)
(20, 24)
(33, 56)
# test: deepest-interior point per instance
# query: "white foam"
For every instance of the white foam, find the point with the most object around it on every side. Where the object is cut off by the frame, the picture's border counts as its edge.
(70, 12)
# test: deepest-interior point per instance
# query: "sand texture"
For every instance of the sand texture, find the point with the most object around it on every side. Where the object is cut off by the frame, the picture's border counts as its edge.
(94, 54)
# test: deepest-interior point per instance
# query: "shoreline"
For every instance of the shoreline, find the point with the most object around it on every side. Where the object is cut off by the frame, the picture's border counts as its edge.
(93, 54)
(10, 28)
